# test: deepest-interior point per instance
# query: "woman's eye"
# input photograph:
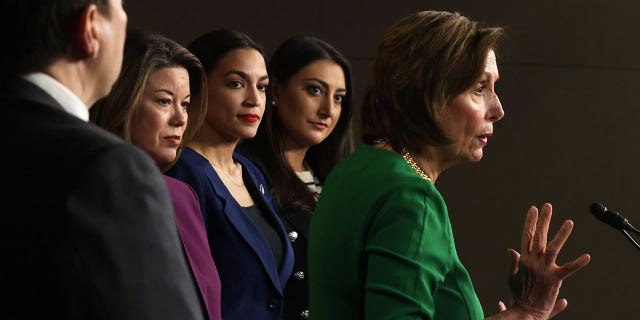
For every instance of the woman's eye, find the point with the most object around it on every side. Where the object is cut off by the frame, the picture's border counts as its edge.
(186, 104)
(480, 89)
(164, 101)
(262, 87)
(235, 84)
(339, 99)
(314, 90)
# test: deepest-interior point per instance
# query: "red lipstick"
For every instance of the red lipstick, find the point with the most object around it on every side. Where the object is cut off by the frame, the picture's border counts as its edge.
(249, 117)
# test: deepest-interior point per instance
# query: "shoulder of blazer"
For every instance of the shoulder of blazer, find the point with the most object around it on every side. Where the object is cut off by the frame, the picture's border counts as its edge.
(189, 168)
(17, 88)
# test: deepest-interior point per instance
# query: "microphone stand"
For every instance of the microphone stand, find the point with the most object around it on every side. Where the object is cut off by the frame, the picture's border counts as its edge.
(626, 234)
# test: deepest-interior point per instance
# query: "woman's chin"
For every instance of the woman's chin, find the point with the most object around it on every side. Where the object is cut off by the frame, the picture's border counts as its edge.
(476, 156)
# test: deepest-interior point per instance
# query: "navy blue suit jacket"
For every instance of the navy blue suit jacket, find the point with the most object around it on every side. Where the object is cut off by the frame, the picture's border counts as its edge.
(252, 283)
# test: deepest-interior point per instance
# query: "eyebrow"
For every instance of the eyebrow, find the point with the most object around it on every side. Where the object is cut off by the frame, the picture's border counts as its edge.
(165, 91)
(169, 92)
(490, 75)
(244, 75)
(325, 84)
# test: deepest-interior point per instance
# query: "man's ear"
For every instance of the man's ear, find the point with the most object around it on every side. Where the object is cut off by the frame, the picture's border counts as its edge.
(85, 33)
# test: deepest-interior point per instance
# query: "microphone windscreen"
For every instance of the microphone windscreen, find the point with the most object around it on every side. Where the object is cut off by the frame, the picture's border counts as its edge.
(598, 209)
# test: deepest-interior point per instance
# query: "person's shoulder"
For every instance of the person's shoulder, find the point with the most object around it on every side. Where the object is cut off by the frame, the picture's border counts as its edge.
(100, 141)
(86, 141)
(380, 173)
(176, 185)
(192, 168)
(189, 161)
(173, 183)
(179, 189)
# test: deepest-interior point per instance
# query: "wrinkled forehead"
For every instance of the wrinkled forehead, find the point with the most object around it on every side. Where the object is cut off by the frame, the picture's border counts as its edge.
(491, 64)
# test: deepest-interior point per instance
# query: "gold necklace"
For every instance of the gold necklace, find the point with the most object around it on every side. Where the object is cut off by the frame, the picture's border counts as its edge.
(239, 185)
(407, 157)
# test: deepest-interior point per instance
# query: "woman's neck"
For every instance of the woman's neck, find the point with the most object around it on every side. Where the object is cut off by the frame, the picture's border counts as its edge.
(433, 162)
(430, 166)
(213, 146)
(427, 161)
(295, 158)
(218, 154)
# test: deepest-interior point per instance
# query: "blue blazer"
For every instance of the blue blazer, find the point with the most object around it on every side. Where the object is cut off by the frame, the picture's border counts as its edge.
(252, 283)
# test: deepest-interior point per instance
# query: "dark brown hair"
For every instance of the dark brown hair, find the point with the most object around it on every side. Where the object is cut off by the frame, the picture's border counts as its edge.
(39, 31)
(423, 61)
(211, 47)
(288, 190)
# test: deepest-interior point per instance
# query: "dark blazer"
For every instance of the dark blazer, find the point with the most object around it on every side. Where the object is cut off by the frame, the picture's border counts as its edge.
(296, 293)
(194, 241)
(91, 233)
(296, 223)
(252, 283)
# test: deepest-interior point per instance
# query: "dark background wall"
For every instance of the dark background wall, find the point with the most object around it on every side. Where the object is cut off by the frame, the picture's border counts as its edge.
(569, 85)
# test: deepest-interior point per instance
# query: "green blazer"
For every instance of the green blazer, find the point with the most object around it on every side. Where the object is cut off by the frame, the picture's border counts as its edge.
(381, 246)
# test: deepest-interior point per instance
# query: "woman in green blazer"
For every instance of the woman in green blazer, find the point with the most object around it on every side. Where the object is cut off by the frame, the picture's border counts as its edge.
(380, 241)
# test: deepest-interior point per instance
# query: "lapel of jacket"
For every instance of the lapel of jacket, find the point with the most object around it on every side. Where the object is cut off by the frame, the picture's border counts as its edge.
(249, 231)
(262, 197)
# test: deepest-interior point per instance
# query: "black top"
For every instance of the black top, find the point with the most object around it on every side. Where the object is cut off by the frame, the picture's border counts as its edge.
(296, 222)
(268, 231)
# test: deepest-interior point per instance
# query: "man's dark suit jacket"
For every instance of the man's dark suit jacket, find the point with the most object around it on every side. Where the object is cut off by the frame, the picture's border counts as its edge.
(88, 230)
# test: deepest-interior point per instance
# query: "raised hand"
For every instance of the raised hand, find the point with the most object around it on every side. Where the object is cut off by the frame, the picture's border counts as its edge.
(535, 278)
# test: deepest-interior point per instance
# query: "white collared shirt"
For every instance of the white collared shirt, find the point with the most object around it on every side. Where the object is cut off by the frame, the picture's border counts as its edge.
(67, 99)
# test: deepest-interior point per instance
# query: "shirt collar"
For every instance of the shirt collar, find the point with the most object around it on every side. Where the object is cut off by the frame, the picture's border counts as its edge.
(67, 99)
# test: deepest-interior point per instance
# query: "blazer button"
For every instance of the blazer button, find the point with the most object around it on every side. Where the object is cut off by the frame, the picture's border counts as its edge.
(293, 236)
(304, 314)
(299, 275)
(273, 304)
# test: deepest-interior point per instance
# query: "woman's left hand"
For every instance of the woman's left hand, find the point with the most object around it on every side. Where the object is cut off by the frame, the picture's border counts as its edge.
(535, 278)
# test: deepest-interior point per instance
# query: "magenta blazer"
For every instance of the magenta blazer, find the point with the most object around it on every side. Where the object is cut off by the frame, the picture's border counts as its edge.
(196, 246)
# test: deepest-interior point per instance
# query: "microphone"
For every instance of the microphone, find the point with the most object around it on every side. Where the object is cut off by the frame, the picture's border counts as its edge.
(611, 218)
(615, 220)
